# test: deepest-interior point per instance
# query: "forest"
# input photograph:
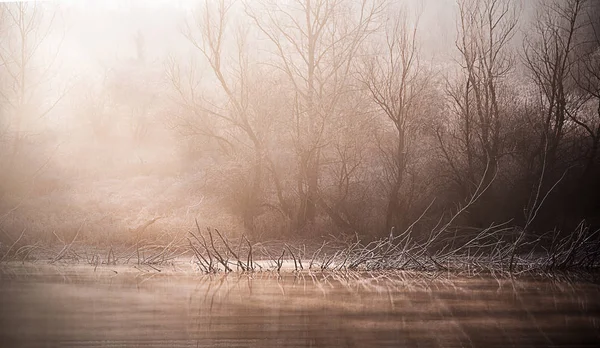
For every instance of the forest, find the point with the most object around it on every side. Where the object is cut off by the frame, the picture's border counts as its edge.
(409, 130)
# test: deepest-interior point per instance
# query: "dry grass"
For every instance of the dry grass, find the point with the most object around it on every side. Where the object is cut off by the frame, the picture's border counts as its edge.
(156, 220)
(211, 251)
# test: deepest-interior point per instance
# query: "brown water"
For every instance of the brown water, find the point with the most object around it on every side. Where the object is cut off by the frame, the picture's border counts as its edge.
(75, 306)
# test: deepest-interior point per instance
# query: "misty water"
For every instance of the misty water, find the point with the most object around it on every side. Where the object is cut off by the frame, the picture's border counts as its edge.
(77, 305)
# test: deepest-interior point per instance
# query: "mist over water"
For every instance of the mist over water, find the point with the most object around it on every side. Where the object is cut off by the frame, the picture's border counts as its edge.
(299, 173)
(78, 307)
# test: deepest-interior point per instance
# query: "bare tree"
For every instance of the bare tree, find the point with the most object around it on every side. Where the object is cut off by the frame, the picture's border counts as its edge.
(475, 143)
(190, 117)
(208, 33)
(26, 69)
(348, 171)
(26, 28)
(550, 58)
(314, 45)
(587, 78)
(397, 82)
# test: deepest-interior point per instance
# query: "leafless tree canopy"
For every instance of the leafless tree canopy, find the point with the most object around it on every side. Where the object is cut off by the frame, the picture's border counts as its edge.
(302, 118)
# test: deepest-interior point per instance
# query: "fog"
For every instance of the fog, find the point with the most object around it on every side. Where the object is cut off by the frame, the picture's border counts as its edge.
(121, 116)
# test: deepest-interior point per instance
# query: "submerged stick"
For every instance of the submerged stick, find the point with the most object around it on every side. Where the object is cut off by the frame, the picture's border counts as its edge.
(62, 253)
(280, 260)
(220, 258)
(249, 261)
(239, 263)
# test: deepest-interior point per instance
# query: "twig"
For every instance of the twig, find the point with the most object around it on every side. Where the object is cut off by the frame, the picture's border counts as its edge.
(13, 245)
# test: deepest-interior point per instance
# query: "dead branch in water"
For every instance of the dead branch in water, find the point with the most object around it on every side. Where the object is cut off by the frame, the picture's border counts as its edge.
(13, 245)
(66, 248)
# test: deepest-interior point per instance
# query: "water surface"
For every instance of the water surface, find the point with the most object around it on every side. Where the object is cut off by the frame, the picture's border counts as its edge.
(114, 306)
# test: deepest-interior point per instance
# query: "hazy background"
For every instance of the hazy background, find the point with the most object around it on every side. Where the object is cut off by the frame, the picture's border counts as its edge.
(118, 125)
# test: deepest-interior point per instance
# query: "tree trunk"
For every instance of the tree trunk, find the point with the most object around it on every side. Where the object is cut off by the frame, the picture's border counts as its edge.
(310, 195)
(393, 218)
(253, 195)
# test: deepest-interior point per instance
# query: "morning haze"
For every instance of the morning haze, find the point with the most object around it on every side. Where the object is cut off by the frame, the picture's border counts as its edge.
(404, 138)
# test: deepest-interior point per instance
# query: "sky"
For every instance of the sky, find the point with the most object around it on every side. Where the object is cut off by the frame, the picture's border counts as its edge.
(92, 36)
(101, 32)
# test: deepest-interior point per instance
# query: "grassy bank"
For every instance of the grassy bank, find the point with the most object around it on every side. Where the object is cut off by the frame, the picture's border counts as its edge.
(210, 250)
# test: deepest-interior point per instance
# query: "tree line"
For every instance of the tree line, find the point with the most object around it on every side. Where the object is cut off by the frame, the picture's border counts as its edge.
(341, 122)
(325, 116)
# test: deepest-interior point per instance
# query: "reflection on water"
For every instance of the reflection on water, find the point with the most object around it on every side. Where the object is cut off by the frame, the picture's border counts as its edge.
(76, 306)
